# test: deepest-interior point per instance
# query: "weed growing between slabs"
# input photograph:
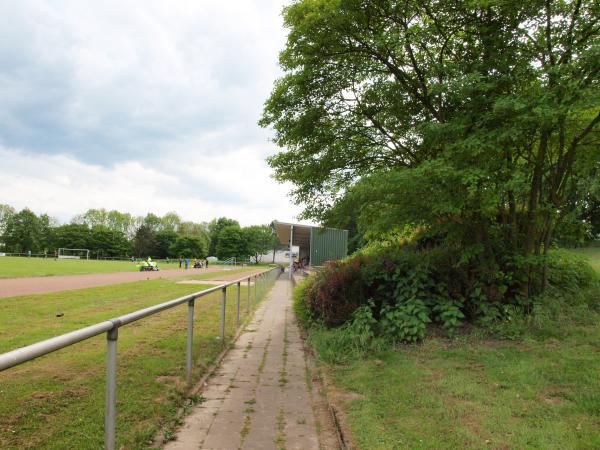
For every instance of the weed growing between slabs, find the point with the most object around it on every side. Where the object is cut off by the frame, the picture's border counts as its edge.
(57, 401)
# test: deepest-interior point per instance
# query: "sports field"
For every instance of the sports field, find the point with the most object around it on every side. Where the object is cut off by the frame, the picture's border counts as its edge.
(13, 266)
(56, 402)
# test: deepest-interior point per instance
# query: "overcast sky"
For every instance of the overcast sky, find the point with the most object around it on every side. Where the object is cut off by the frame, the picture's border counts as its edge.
(140, 106)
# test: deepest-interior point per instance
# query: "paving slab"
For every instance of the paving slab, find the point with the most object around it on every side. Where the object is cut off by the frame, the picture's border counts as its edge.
(258, 397)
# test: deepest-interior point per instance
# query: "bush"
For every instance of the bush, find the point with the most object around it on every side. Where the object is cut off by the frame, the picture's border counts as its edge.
(405, 322)
(350, 341)
(336, 291)
(301, 309)
(404, 288)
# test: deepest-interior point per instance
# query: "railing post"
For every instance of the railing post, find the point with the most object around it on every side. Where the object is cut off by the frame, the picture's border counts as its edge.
(110, 407)
(237, 306)
(248, 300)
(190, 340)
(223, 301)
(255, 281)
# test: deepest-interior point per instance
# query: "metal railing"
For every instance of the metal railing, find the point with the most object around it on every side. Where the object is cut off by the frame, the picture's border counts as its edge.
(111, 328)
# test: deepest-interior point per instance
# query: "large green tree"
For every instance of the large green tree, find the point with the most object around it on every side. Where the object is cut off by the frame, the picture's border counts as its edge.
(259, 239)
(104, 242)
(24, 232)
(464, 118)
(72, 235)
(6, 211)
(165, 239)
(230, 243)
(189, 246)
(113, 220)
(214, 229)
(144, 242)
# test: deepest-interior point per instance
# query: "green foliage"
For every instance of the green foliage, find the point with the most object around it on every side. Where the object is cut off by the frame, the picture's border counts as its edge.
(113, 220)
(362, 326)
(144, 242)
(71, 236)
(405, 322)
(568, 272)
(188, 247)
(259, 239)
(6, 211)
(351, 341)
(480, 136)
(448, 313)
(214, 229)
(106, 242)
(24, 231)
(230, 243)
(165, 239)
(336, 291)
(300, 306)
(404, 288)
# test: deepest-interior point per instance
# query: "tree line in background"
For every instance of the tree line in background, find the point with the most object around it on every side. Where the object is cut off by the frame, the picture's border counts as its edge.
(116, 234)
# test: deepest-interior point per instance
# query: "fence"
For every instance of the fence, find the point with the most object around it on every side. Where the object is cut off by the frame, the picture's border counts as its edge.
(111, 328)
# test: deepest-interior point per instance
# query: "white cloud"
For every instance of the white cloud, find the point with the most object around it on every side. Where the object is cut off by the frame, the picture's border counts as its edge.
(64, 186)
(139, 106)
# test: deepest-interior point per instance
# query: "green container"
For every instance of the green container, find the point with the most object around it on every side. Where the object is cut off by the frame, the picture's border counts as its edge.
(327, 244)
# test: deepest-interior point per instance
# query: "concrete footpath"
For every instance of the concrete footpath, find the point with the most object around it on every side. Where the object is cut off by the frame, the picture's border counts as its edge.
(260, 397)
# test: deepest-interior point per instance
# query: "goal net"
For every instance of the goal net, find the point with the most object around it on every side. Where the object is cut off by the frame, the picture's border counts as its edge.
(73, 253)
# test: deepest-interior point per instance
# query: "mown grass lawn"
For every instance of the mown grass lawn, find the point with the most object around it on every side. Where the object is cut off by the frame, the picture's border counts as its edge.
(57, 401)
(476, 394)
(13, 266)
(217, 275)
(472, 392)
(592, 254)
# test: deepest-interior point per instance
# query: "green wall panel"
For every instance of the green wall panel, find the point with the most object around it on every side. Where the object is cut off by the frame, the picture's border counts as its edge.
(327, 244)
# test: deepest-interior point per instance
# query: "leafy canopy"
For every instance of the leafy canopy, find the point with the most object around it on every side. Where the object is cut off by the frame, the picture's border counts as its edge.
(492, 101)
(468, 118)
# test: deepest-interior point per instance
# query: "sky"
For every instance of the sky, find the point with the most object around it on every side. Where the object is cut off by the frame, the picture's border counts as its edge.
(140, 106)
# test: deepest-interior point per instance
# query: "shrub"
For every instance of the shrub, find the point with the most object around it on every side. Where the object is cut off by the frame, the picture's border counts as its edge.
(350, 341)
(405, 322)
(337, 291)
(402, 288)
(448, 313)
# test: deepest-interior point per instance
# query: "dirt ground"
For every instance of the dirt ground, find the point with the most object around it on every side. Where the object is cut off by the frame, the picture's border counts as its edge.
(10, 287)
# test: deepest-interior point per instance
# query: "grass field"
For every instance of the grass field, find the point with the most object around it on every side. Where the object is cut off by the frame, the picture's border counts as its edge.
(57, 401)
(592, 254)
(472, 392)
(13, 267)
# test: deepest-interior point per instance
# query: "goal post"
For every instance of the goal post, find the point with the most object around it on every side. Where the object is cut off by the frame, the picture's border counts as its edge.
(73, 253)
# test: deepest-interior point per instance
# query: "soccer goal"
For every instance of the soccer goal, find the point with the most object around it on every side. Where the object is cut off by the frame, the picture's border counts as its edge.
(73, 253)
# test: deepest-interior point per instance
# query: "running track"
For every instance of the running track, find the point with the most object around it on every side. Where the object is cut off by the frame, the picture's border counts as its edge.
(10, 287)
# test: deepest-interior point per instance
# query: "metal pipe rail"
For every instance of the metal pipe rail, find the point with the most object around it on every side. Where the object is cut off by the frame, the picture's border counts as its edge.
(111, 328)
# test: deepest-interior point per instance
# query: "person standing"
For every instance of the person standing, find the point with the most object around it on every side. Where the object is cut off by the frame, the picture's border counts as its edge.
(187, 263)
(180, 261)
(206, 263)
